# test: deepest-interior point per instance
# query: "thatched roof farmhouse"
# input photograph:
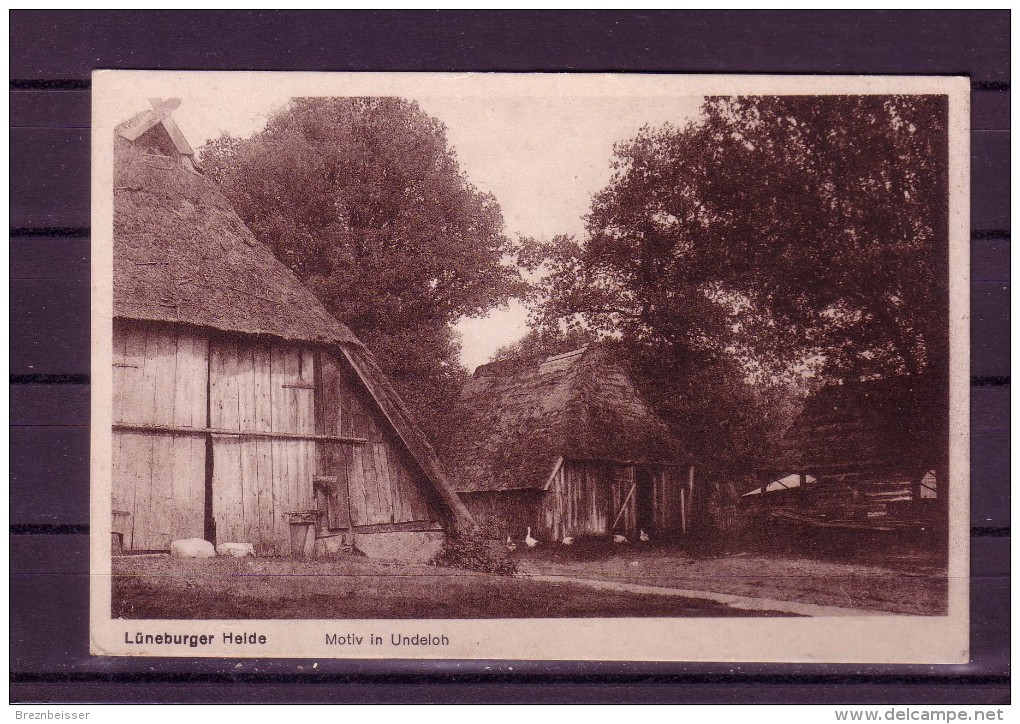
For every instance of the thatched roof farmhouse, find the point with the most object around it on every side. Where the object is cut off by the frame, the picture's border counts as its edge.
(243, 411)
(566, 445)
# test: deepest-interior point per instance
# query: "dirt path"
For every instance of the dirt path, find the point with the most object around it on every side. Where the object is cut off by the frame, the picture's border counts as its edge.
(917, 590)
(740, 602)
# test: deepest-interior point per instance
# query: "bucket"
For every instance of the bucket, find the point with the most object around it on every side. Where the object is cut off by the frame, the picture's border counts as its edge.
(302, 533)
(302, 539)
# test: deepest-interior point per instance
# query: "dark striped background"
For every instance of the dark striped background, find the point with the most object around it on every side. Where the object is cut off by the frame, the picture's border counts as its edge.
(52, 55)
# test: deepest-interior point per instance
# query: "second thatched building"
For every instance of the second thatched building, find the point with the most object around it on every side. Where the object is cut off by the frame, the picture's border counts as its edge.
(566, 445)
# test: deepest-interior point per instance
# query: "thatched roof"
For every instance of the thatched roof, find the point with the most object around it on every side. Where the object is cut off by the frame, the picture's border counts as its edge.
(865, 431)
(518, 418)
(181, 255)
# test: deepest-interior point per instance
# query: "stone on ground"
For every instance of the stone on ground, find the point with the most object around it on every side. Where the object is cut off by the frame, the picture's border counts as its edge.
(192, 548)
(236, 550)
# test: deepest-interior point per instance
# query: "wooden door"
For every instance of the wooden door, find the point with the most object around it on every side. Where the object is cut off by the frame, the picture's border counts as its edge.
(262, 421)
(644, 499)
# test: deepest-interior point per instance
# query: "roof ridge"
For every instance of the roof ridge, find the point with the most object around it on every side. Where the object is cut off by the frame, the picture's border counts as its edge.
(156, 280)
(571, 353)
(572, 405)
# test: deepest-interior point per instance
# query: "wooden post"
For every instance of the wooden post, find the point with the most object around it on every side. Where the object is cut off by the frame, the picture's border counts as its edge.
(764, 515)
(683, 512)
(690, 494)
(624, 506)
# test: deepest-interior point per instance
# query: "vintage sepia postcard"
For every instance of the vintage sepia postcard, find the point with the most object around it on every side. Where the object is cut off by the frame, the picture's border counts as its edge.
(531, 366)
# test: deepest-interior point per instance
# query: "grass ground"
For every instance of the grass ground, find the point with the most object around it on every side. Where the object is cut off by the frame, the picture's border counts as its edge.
(906, 585)
(358, 587)
(355, 587)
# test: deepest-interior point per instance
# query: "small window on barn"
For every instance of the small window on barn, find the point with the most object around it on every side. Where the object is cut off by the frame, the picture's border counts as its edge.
(928, 485)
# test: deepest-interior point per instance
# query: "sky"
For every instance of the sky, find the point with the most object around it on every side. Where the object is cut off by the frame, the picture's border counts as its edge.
(543, 157)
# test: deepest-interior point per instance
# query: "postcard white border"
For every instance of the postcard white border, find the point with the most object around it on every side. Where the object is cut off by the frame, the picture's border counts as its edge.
(864, 639)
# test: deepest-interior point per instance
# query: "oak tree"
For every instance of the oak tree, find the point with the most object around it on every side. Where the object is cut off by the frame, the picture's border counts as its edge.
(364, 200)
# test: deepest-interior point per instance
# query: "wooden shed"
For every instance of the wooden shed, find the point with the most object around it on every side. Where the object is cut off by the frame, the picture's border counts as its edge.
(243, 411)
(567, 446)
(861, 455)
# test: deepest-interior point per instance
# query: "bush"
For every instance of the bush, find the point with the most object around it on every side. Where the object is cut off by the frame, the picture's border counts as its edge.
(474, 553)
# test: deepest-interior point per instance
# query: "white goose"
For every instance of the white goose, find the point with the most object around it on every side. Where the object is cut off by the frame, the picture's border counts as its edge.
(619, 538)
(568, 540)
(528, 540)
(644, 538)
(510, 545)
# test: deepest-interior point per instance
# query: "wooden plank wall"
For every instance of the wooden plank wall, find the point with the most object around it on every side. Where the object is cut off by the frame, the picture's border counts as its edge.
(579, 502)
(333, 458)
(258, 483)
(382, 488)
(158, 478)
(668, 483)
(623, 479)
(583, 500)
(163, 376)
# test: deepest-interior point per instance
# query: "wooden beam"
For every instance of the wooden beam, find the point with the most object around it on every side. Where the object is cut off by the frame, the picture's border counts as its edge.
(552, 475)
(175, 430)
(413, 526)
(134, 128)
(683, 512)
(624, 506)
(432, 472)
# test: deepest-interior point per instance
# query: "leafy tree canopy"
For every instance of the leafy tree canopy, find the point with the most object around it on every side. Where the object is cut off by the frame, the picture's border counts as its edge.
(781, 229)
(364, 200)
(773, 235)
